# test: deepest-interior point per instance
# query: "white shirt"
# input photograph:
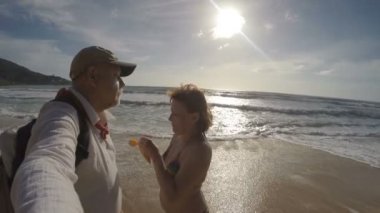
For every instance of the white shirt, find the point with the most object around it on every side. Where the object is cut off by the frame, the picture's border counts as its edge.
(47, 180)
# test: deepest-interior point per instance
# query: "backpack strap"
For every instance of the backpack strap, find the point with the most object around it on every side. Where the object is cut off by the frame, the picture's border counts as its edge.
(5, 190)
(81, 152)
(23, 133)
(22, 138)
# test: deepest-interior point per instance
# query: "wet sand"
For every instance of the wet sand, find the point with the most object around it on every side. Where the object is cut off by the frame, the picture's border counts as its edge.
(261, 175)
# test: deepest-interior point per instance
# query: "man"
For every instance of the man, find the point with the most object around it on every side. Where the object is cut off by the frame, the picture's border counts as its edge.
(48, 180)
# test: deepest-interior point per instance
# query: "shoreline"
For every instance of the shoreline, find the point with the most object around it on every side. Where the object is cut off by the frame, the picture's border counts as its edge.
(262, 175)
(256, 175)
(13, 122)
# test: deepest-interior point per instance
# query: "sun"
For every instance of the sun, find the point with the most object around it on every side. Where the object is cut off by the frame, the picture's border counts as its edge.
(229, 22)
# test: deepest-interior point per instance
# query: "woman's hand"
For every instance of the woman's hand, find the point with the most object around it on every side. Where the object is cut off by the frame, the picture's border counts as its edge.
(148, 149)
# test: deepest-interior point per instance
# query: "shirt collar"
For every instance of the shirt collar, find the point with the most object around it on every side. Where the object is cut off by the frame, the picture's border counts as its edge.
(91, 113)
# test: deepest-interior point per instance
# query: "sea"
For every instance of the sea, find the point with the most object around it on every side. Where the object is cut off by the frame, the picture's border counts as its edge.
(347, 128)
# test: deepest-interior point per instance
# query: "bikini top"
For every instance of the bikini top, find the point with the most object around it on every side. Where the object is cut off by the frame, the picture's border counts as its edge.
(174, 166)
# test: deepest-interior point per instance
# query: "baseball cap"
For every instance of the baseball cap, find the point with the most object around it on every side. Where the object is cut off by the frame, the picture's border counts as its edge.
(94, 55)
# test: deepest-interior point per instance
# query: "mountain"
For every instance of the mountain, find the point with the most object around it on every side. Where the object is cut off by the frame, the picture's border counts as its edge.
(13, 74)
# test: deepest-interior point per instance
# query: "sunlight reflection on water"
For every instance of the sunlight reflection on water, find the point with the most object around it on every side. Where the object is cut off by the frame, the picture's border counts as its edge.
(227, 101)
(229, 121)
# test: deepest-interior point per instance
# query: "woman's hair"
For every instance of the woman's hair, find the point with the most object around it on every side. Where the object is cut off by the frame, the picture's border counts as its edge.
(194, 101)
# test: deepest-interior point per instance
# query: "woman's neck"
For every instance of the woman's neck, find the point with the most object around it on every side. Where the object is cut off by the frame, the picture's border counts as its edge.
(188, 138)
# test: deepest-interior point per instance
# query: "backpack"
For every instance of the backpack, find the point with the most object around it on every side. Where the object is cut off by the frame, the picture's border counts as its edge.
(15, 142)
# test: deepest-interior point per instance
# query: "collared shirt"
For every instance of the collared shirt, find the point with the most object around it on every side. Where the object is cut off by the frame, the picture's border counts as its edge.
(47, 180)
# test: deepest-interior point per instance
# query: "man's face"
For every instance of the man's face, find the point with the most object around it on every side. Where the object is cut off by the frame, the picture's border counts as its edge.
(109, 85)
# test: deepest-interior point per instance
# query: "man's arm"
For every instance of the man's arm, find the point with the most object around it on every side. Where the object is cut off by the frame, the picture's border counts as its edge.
(45, 180)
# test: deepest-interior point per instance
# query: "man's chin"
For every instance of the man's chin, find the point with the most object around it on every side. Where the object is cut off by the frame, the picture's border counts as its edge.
(116, 103)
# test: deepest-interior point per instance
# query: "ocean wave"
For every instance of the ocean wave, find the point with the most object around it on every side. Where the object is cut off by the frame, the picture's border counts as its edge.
(336, 102)
(325, 134)
(350, 113)
(146, 90)
(28, 98)
(21, 115)
(51, 90)
(312, 125)
(27, 95)
(334, 113)
(144, 103)
(365, 153)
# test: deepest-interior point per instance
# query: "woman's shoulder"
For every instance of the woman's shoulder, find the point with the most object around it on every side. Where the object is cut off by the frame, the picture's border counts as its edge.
(200, 148)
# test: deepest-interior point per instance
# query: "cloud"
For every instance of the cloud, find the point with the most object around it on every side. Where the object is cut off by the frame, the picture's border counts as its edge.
(364, 71)
(5, 11)
(325, 72)
(200, 34)
(129, 29)
(268, 27)
(299, 66)
(223, 46)
(291, 17)
(140, 59)
(165, 4)
(55, 12)
(76, 20)
(352, 50)
(342, 60)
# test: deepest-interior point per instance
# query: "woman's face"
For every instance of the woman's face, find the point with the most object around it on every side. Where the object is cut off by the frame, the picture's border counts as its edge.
(182, 121)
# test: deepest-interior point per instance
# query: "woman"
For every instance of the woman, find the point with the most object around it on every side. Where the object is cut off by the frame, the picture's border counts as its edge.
(181, 170)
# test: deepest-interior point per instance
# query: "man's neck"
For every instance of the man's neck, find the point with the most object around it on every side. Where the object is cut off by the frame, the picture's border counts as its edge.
(103, 117)
(89, 96)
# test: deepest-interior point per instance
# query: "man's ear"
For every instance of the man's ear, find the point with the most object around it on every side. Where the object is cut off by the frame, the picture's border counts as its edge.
(91, 75)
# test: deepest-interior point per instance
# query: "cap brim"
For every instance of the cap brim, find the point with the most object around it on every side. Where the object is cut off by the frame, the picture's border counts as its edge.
(126, 68)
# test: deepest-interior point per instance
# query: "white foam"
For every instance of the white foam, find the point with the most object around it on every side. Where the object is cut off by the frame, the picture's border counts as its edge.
(365, 151)
(23, 115)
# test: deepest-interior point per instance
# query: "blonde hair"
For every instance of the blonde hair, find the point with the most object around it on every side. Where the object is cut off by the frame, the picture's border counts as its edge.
(195, 101)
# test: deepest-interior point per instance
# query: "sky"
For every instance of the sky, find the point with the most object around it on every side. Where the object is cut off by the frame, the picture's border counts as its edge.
(327, 48)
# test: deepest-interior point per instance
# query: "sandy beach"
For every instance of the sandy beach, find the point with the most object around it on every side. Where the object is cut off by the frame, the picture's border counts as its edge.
(257, 175)
(264, 175)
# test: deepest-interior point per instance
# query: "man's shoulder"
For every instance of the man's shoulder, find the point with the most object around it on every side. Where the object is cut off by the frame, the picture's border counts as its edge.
(57, 109)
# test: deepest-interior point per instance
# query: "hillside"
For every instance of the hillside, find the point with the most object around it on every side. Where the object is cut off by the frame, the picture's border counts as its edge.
(13, 74)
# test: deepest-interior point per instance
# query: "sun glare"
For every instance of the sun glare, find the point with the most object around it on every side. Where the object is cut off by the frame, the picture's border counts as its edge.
(229, 23)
